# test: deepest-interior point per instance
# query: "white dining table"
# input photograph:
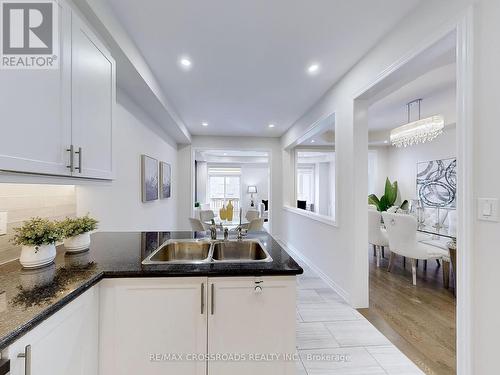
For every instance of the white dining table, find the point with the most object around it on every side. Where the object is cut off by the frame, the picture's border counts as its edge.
(445, 232)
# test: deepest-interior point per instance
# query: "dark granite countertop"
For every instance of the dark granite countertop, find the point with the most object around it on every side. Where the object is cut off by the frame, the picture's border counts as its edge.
(27, 297)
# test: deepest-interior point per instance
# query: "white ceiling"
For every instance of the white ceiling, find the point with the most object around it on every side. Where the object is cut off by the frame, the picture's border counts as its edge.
(325, 138)
(250, 57)
(436, 88)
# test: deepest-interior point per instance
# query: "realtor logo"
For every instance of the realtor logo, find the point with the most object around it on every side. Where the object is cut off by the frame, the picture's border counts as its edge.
(30, 38)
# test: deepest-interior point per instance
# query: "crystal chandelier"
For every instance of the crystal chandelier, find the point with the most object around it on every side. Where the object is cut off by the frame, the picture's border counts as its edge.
(421, 131)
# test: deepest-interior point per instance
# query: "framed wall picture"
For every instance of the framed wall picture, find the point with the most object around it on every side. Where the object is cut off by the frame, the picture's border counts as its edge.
(149, 178)
(165, 180)
(437, 183)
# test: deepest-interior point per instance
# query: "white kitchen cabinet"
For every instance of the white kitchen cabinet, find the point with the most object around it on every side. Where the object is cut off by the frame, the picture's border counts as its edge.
(35, 109)
(66, 343)
(252, 316)
(60, 122)
(153, 326)
(93, 98)
(145, 320)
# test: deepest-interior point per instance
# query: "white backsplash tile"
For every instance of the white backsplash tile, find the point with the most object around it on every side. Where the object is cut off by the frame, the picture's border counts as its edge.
(24, 201)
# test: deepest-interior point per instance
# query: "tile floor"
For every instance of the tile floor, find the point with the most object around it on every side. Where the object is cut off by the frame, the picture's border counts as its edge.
(333, 338)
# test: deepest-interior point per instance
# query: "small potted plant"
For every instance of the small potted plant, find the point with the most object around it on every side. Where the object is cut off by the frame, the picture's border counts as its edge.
(76, 231)
(38, 239)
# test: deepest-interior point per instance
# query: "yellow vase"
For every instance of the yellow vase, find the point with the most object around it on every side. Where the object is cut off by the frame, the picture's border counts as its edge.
(229, 211)
(222, 213)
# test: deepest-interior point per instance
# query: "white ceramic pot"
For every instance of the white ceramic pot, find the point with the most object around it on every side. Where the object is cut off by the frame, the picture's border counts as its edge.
(77, 243)
(37, 256)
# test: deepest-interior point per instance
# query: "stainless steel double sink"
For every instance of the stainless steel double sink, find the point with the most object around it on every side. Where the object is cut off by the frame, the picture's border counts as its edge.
(209, 251)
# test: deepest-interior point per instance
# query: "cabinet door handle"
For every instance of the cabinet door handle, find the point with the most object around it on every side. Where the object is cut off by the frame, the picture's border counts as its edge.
(27, 359)
(202, 298)
(79, 152)
(71, 165)
(212, 306)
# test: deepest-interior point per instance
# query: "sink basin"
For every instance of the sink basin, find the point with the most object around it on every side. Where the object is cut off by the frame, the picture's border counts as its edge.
(179, 251)
(191, 251)
(240, 251)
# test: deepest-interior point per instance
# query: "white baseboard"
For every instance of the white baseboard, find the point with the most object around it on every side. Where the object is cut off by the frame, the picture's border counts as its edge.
(298, 254)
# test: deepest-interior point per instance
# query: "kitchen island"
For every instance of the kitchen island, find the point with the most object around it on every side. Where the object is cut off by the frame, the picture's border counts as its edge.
(131, 303)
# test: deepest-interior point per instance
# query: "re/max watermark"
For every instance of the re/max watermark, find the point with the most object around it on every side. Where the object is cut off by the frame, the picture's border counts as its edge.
(247, 357)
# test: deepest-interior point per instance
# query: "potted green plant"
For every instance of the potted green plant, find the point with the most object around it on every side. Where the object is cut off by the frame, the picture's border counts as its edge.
(37, 238)
(389, 198)
(76, 231)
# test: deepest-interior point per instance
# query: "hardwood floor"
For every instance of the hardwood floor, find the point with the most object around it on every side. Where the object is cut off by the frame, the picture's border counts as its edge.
(418, 320)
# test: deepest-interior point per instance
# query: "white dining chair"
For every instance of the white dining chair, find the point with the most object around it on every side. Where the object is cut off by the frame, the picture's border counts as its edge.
(252, 214)
(376, 235)
(206, 215)
(402, 233)
(256, 225)
(196, 225)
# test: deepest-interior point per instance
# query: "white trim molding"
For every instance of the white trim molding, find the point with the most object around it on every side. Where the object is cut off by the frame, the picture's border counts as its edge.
(465, 141)
(311, 215)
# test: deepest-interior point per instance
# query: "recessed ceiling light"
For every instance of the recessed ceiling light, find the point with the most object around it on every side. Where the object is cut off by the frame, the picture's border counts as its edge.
(271, 125)
(185, 63)
(313, 68)
(386, 141)
(205, 124)
(312, 141)
(225, 153)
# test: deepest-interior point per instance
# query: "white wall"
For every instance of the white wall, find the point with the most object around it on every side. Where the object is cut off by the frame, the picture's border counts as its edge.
(185, 158)
(117, 204)
(400, 164)
(486, 257)
(258, 175)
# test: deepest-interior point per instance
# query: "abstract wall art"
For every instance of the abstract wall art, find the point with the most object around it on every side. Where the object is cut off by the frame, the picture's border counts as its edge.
(437, 183)
(149, 180)
(165, 180)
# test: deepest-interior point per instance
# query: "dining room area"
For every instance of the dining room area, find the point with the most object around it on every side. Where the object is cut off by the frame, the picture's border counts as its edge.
(413, 212)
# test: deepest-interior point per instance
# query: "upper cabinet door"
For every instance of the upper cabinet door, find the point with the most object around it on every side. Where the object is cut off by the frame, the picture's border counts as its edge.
(93, 102)
(35, 109)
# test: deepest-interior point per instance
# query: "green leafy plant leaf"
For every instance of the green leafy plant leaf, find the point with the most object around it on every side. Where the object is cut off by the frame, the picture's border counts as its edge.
(36, 232)
(391, 191)
(73, 226)
(387, 200)
(405, 205)
(384, 203)
(372, 199)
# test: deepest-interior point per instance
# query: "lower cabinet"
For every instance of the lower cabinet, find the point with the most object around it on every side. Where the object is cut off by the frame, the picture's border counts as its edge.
(195, 326)
(65, 343)
(146, 323)
(254, 318)
(178, 326)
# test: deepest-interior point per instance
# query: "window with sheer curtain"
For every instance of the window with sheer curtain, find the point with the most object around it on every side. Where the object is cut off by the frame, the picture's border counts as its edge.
(224, 185)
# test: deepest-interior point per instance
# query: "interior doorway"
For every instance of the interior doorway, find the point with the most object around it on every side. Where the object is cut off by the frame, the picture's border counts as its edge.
(412, 155)
(460, 33)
